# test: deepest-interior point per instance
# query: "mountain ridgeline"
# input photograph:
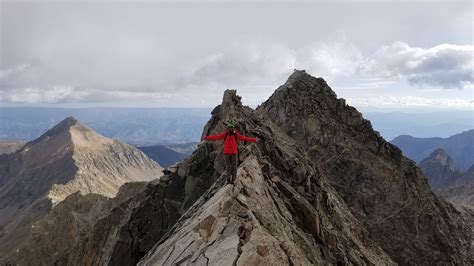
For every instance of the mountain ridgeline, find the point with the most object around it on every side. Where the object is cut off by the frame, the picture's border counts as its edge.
(319, 187)
(459, 146)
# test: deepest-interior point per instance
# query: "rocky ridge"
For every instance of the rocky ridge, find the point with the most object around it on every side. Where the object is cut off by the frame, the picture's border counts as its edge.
(281, 210)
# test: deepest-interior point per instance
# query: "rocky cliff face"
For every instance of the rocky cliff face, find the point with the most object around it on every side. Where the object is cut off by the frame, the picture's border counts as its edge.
(439, 169)
(67, 159)
(383, 189)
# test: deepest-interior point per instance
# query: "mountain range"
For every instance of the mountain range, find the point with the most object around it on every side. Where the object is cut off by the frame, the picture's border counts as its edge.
(320, 187)
(165, 126)
(167, 155)
(135, 126)
(459, 146)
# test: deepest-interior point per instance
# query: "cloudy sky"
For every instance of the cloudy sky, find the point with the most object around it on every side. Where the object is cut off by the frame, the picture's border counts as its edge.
(376, 54)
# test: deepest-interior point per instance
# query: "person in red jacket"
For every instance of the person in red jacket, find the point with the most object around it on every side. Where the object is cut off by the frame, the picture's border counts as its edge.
(230, 148)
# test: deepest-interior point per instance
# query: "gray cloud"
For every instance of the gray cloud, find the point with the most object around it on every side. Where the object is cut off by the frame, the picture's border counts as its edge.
(445, 65)
(183, 53)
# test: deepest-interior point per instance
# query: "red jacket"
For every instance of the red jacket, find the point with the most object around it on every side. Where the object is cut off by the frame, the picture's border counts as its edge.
(230, 143)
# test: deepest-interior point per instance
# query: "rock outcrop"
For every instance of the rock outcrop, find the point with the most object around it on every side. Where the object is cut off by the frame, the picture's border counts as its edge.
(67, 159)
(439, 169)
(383, 189)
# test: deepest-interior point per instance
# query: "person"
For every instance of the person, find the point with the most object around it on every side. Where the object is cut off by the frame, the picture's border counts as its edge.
(230, 148)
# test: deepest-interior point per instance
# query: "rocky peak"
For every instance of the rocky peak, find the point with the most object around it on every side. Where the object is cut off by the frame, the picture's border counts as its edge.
(370, 174)
(439, 169)
(61, 128)
(440, 156)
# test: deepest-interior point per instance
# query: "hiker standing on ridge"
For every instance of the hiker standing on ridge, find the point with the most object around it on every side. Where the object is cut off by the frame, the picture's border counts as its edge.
(231, 150)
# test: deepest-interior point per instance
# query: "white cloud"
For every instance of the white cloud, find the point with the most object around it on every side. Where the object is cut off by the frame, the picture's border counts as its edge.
(256, 68)
(52, 94)
(411, 101)
(445, 65)
(250, 64)
(5, 73)
(330, 60)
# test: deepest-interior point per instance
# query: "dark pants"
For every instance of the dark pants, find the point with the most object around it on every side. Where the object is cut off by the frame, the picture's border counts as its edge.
(231, 166)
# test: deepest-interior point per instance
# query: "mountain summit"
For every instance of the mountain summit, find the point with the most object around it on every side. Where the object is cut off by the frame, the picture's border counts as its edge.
(383, 189)
(439, 169)
(68, 158)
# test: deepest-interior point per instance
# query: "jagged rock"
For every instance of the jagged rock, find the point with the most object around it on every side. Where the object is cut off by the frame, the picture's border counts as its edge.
(439, 169)
(383, 189)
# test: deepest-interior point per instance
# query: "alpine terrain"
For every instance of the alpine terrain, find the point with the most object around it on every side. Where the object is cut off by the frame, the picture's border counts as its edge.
(319, 187)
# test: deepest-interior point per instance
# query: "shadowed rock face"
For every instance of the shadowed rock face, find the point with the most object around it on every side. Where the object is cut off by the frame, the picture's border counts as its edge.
(67, 159)
(439, 169)
(383, 189)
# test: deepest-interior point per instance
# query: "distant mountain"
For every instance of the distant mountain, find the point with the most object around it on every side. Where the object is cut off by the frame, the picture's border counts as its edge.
(420, 124)
(460, 147)
(67, 159)
(439, 169)
(162, 154)
(136, 126)
(446, 180)
(7, 147)
(184, 148)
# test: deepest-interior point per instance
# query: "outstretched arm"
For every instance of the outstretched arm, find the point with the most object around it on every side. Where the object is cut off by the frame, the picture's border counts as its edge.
(245, 138)
(215, 137)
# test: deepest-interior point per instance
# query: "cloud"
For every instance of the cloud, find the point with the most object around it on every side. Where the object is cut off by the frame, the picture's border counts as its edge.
(444, 65)
(54, 94)
(5, 73)
(411, 101)
(256, 68)
(186, 53)
(250, 64)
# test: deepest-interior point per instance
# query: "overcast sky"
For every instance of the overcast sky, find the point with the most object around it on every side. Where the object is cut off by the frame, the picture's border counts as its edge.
(380, 55)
